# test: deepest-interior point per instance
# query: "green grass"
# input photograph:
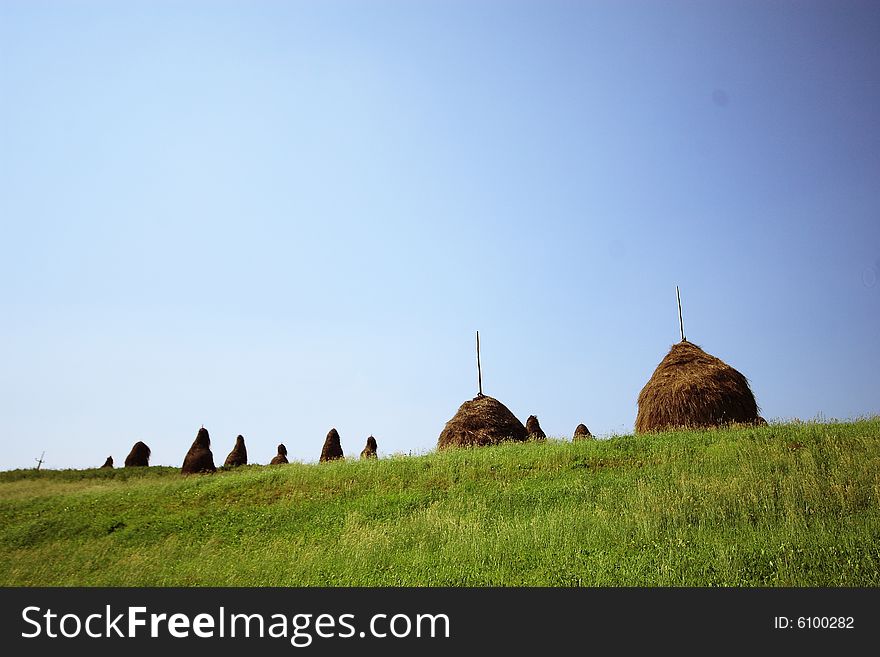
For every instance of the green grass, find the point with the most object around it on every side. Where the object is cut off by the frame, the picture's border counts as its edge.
(784, 505)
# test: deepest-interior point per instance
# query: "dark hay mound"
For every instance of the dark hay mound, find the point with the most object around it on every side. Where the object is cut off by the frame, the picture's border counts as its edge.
(534, 429)
(108, 463)
(238, 455)
(281, 457)
(332, 447)
(369, 451)
(760, 422)
(693, 389)
(139, 456)
(481, 421)
(199, 457)
(581, 433)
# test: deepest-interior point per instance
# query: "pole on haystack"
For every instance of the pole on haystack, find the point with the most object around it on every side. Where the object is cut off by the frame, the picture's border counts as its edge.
(680, 320)
(479, 369)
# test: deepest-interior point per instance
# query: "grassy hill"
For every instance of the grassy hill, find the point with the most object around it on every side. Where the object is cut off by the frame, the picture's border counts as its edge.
(787, 505)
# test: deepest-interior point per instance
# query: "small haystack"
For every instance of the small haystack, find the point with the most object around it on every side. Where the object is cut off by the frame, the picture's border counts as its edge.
(138, 457)
(534, 429)
(332, 447)
(108, 463)
(199, 457)
(481, 421)
(582, 433)
(238, 455)
(693, 389)
(281, 457)
(369, 452)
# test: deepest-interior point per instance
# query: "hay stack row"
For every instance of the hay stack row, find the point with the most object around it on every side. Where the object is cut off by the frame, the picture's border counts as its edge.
(200, 459)
(689, 389)
(484, 420)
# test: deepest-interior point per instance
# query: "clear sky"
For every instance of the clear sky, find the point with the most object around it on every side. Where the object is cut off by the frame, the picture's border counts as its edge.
(274, 218)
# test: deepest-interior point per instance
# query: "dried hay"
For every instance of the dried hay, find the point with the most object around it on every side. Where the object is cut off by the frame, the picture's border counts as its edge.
(693, 389)
(199, 457)
(139, 456)
(238, 455)
(533, 428)
(369, 451)
(481, 421)
(332, 449)
(281, 457)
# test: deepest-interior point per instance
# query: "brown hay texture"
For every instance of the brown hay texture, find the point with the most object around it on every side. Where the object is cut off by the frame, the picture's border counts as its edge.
(582, 433)
(238, 455)
(108, 463)
(693, 389)
(534, 429)
(369, 451)
(332, 449)
(199, 457)
(139, 456)
(481, 421)
(281, 457)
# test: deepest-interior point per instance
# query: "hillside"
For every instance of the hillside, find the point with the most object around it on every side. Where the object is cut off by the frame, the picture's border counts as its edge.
(788, 505)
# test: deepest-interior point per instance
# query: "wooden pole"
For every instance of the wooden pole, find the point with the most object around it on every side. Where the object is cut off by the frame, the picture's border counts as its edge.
(479, 369)
(680, 320)
(40, 460)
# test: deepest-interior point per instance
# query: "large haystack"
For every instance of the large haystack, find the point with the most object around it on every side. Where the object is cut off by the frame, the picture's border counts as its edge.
(533, 428)
(332, 449)
(281, 457)
(369, 450)
(581, 433)
(481, 421)
(693, 389)
(139, 456)
(238, 455)
(199, 457)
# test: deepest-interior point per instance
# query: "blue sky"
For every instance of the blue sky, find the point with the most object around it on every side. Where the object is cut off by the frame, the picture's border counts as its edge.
(274, 218)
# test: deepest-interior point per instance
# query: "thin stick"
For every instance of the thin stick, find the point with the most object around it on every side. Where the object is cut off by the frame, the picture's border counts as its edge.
(680, 320)
(479, 369)
(40, 460)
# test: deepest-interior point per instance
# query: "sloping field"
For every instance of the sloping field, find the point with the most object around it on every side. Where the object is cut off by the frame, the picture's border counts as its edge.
(783, 505)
